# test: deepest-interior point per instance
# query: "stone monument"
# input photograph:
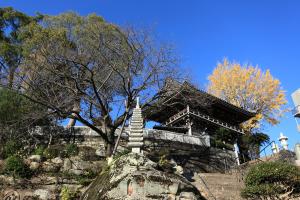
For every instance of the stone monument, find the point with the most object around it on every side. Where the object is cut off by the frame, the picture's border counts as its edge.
(136, 130)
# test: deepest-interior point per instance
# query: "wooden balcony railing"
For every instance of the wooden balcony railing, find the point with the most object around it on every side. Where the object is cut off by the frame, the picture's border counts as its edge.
(188, 111)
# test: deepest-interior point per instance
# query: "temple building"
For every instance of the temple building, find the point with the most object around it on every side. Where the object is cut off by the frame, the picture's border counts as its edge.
(187, 110)
(186, 115)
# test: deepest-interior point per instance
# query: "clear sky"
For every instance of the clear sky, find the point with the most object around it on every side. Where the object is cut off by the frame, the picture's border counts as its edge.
(261, 32)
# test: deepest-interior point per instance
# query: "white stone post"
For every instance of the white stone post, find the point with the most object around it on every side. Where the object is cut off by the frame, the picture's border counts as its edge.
(283, 141)
(136, 137)
(189, 121)
(236, 152)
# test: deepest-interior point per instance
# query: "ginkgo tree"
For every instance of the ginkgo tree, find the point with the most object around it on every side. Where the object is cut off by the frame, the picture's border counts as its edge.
(250, 88)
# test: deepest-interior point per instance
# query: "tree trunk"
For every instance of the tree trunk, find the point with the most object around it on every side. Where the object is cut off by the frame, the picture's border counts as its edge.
(76, 108)
(109, 145)
(109, 149)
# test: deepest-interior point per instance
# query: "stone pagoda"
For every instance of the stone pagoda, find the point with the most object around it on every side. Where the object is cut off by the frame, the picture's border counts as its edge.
(136, 130)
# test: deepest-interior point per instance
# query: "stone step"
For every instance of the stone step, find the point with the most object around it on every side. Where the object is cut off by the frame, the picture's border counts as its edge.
(135, 139)
(136, 134)
(222, 186)
(140, 127)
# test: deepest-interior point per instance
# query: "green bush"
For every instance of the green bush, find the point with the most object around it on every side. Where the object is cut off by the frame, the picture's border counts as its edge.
(51, 152)
(71, 150)
(11, 148)
(90, 174)
(270, 180)
(83, 179)
(87, 153)
(121, 153)
(15, 166)
(60, 151)
(66, 194)
(39, 150)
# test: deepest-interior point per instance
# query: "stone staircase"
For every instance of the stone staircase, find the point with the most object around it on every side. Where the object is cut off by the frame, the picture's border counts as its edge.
(217, 186)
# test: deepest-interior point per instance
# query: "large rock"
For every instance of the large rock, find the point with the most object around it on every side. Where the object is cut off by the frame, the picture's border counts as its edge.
(67, 165)
(76, 171)
(6, 180)
(35, 158)
(42, 194)
(57, 161)
(133, 176)
(50, 167)
(76, 164)
(34, 165)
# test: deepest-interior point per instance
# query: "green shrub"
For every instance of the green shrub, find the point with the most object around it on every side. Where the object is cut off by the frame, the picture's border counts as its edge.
(51, 152)
(39, 150)
(121, 153)
(270, 180)
(71, 150)
(64, 151)
(90, 174)
(87, 153)
(83, 179)
(165, 164)
(11, 148)
(66, 194)
(15, 166)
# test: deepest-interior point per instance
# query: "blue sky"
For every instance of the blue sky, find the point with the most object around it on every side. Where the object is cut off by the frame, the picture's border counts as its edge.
(261, 32)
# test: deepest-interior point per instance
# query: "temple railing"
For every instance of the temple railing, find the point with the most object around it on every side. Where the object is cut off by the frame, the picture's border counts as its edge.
(176, 117)
(204, 117)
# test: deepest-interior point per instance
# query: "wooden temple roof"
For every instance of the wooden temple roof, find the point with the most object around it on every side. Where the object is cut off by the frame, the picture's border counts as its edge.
(178, 95)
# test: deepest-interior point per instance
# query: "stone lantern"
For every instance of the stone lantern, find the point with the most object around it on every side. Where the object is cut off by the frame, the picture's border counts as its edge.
(283, 141)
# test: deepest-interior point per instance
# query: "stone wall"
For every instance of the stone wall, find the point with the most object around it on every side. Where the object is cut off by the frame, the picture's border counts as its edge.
(192, 152)
(50, 176)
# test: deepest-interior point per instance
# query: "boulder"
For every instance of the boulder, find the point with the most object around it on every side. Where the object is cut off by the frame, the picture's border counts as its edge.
(42, 194)
(50, 167)
(35, 158)
(179, 169)
(96, 166)
(57, 160)
(76, 171)
(87, 153)
(76, 163)
(67, 165)
(6, 180)
(187, 196)
(34, 165)
(80, 164)
(133, 176)
(100, 152)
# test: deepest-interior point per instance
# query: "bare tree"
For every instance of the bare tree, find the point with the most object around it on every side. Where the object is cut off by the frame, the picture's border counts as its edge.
(84, 68)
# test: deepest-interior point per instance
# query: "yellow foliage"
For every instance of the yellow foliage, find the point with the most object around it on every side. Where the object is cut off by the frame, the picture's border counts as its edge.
(249, 88)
